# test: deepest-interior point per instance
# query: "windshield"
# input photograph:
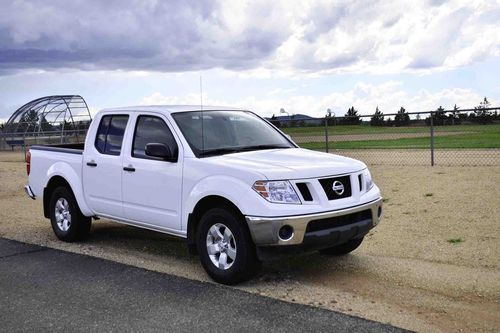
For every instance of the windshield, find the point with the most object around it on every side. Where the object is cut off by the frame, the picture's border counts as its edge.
(226, 132)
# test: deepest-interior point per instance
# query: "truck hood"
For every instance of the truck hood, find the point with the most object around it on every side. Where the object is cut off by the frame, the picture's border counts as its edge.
(291, 163)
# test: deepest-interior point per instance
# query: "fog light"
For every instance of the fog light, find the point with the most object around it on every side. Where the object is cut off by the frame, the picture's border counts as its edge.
(285, 232)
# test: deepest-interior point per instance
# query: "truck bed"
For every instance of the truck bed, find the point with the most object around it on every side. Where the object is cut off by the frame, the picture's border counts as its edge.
(44, 158)
(71, 148)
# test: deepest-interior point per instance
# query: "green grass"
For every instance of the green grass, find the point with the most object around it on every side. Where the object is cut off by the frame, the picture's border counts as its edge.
(455, 240)
(367, 129)
(474, 136)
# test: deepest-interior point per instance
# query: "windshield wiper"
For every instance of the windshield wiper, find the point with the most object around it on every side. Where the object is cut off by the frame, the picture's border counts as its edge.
(261, 147)
(231, 150)
(218, 151)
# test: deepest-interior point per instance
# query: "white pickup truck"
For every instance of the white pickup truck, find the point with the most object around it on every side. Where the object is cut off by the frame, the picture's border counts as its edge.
(236, 187)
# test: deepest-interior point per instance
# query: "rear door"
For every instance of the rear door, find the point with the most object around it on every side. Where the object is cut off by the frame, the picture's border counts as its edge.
(102, 166)
(152, 188)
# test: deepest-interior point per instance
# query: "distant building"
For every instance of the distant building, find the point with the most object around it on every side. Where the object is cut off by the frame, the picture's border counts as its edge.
(295, 120)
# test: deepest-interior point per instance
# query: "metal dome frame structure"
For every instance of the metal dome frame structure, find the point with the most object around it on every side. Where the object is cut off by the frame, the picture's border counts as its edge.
(59, 118)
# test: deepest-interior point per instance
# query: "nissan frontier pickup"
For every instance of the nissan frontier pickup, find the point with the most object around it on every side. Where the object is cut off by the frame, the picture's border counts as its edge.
(229, 182)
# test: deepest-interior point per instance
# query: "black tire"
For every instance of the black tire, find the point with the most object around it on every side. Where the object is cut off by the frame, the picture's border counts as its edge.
(78, 226)
(245, 264)
(343, 249)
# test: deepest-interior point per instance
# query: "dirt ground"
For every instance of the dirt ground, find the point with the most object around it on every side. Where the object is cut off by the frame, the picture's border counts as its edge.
(408, 272)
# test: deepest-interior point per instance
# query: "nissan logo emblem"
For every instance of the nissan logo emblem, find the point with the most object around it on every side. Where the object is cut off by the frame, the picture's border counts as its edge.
(338, 187)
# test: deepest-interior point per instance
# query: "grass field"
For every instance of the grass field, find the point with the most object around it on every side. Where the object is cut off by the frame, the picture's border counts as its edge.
(471, 136)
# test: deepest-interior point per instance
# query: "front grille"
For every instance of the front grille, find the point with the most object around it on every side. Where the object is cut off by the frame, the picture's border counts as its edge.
(338, 221)
(304, 190)
(328, 183)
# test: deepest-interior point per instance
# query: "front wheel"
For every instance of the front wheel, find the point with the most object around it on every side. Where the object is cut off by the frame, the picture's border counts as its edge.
(226, 250)
(345, 248)
(68, 222)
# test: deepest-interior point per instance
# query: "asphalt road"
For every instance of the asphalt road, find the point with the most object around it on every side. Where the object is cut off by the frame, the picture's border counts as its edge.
(43, 289)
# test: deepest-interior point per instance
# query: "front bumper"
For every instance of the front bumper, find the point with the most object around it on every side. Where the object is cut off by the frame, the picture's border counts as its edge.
(335, 227)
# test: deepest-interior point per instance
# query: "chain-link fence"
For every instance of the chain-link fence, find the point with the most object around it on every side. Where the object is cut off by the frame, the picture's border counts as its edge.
(442, 137)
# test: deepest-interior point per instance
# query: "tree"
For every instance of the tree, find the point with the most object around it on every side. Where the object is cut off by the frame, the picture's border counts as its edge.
(28, 122)
(2, 126)
(438, 117)
(45, 125)
(455, 116)
(67, 126)
(352, 117)
(377, 118)
(402, 118)
(275, 121)
(482, 115)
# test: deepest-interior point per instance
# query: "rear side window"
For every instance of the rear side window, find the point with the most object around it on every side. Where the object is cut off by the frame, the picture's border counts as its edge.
(150, 129)
(109, 136)
(102, 131)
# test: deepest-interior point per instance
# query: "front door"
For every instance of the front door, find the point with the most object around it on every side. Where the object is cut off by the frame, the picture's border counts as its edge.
(152, 188)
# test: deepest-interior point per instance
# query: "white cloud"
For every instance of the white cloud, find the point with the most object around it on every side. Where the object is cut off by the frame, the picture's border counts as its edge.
(189, 99)
(390, 37)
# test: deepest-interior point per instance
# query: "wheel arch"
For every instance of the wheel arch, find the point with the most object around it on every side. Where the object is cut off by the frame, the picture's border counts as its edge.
(71, 178)
(202, 206)
(52, 184)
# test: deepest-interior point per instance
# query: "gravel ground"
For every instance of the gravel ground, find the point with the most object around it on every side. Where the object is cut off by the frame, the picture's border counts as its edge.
(406, 273)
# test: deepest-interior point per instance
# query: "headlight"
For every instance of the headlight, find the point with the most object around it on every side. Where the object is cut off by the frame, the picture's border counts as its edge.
(277, 191)
(367, 176)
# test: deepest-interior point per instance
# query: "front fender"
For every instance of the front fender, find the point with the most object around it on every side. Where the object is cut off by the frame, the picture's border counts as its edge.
(230, 188)
(65, 171)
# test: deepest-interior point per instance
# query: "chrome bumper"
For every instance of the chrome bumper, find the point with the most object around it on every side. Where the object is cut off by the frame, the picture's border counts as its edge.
(264, 230)
(29, 192)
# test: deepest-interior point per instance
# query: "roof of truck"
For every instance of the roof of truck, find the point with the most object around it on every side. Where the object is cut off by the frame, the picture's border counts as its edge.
(173, 108)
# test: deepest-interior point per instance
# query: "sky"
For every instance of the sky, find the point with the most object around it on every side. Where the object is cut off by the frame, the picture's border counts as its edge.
(303, 56)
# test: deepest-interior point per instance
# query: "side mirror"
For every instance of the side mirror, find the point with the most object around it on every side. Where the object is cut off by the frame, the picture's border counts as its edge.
(160, 150)
(288, 136)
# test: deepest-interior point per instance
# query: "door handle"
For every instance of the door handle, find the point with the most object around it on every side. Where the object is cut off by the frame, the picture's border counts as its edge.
(92, 164)
(129, 169)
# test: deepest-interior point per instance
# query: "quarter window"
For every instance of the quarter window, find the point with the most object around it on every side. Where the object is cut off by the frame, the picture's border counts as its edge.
(110, 133)
(150, 129)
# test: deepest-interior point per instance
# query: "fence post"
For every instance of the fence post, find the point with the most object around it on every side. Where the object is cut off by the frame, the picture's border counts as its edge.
(432, 139)
(326, 134)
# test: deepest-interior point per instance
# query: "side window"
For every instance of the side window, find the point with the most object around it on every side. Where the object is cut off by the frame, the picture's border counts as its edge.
(109, 136)
(102, 131)
(150, 129)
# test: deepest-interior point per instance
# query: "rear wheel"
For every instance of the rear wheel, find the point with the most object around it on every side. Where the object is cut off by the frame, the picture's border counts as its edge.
(345, 248)
(68, 222)
(226, 249)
